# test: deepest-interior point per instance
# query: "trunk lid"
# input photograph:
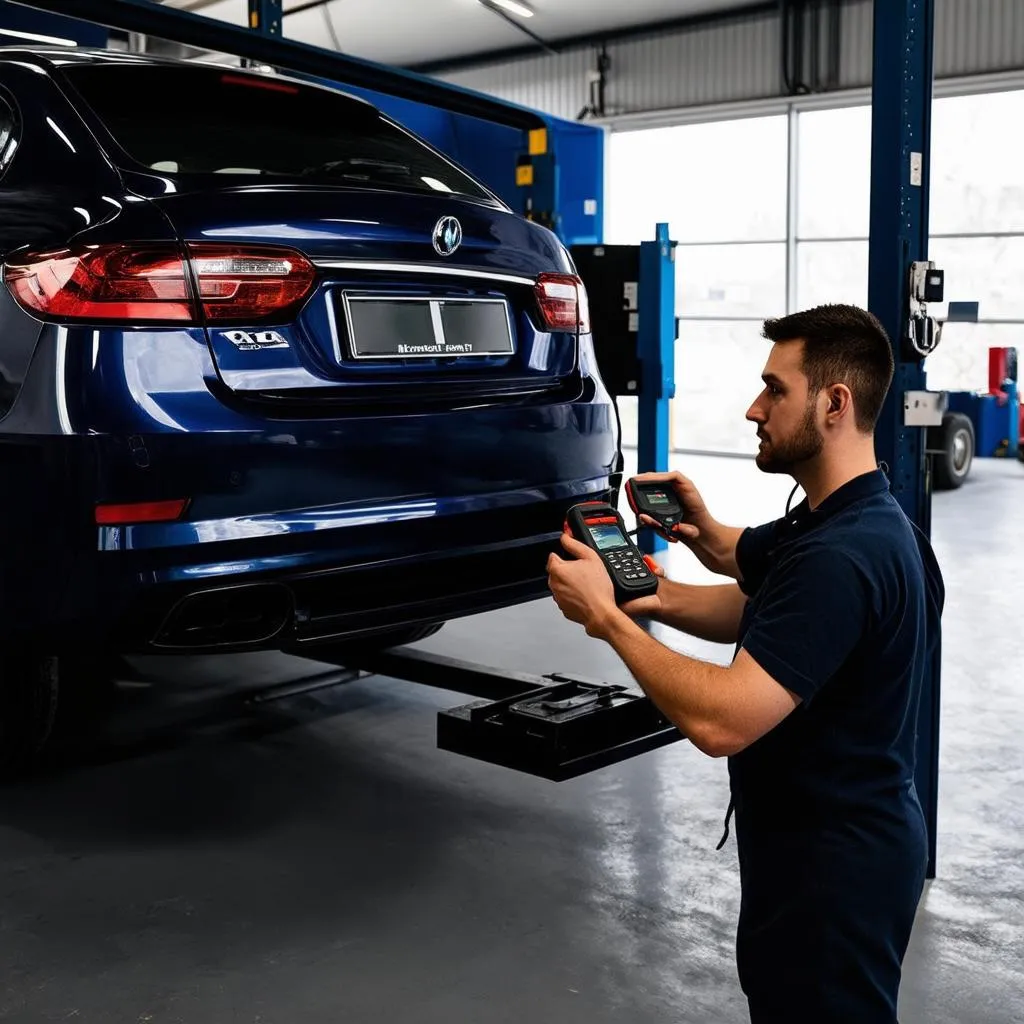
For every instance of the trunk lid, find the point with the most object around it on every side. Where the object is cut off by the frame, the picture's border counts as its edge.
(390, 317)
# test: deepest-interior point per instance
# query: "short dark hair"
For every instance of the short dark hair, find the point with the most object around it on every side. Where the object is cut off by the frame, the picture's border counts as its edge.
(842, 345)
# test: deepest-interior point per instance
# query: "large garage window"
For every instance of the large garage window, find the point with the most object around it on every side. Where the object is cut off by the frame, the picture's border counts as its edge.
(202, 123)
(721, 186)
(751, 248)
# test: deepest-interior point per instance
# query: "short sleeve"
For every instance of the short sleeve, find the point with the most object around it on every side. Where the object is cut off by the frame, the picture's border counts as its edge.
(812, 615)
(752, 556)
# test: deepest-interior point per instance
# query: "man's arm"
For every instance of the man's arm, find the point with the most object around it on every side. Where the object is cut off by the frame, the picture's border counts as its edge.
(720, 710)
(706, 612)
(804, 630)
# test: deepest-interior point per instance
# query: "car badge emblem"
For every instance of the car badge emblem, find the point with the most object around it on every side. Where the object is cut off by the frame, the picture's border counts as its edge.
(447, 236)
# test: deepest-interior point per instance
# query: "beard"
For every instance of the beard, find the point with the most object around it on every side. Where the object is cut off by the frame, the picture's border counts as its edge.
(784, 454)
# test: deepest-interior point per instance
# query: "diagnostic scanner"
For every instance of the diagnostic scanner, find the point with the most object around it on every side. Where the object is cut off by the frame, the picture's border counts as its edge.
(599, 526)
(656, 500)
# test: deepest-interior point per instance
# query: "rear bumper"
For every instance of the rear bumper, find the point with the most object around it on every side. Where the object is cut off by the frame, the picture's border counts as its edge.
(348, 573)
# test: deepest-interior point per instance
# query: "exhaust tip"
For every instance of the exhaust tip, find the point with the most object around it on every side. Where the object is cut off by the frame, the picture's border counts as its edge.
(242, 616)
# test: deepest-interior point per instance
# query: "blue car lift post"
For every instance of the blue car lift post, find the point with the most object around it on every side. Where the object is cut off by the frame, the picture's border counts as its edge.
(900, 164)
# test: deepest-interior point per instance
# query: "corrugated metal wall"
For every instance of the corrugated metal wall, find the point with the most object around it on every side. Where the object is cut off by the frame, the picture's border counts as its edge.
(740, 61)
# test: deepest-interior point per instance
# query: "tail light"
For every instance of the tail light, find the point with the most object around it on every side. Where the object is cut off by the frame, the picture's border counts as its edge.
(563, 303)
(151, 284)
(106, 282)
(140, 512)
(247, 284)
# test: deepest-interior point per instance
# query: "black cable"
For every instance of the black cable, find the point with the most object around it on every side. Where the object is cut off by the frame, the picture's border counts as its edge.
(784, 16)
(504, 15)
(835, 43)
(788, 501)
(815, 75)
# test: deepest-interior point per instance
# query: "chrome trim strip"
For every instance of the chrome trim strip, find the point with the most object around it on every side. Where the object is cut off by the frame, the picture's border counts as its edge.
(436, 323)
(332, 321)
(61, 381)
(421, 268)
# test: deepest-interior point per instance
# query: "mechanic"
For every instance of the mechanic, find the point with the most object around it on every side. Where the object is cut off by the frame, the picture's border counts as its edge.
(835, 616)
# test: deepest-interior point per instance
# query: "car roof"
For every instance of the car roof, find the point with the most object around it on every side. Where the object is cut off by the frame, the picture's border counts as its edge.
(50, 58)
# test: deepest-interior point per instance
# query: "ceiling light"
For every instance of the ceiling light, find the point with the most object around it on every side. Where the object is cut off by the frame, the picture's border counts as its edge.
(513, 7)
(35, 37)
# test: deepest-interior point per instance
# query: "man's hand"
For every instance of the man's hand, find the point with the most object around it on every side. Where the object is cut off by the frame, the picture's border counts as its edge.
(695, 512)
(712, 543)
(651, 606)
(581, 586)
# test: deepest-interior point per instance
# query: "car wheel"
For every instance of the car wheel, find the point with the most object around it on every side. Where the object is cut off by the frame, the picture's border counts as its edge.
(28, 706)
(956, 444)
(341, 650)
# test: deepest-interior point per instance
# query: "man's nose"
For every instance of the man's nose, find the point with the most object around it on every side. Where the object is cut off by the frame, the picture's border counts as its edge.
(755, 413)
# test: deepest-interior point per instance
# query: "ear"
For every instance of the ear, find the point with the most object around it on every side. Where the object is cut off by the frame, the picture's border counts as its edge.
(840, 402)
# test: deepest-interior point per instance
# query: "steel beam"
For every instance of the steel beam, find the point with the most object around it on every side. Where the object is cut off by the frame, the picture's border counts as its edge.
(153, 19)
(265, 17)
(900, 165)
(683, 23)
(656, 349)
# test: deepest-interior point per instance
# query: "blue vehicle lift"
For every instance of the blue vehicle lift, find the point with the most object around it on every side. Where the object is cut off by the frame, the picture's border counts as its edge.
(898, 252)
(558, 726)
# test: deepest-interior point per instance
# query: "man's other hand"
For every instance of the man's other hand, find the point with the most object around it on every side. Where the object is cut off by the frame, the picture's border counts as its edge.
(696, 517)
(648, 607)
(581, 586)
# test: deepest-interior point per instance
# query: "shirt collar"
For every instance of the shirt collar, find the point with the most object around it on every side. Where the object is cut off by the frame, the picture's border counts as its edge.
(864, 486)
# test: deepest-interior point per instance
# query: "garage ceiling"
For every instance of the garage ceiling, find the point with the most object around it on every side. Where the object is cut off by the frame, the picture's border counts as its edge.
(407, 32)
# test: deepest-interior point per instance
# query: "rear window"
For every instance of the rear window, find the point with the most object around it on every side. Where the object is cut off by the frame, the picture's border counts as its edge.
(210, 124)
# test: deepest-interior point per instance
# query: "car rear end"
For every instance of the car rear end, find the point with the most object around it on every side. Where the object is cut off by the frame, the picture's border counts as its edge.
(316, 381)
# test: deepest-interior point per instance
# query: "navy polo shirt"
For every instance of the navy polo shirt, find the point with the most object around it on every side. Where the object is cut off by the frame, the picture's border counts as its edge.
(844, 610)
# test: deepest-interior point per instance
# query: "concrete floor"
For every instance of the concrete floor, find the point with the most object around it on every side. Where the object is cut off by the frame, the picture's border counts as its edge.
(318, 860)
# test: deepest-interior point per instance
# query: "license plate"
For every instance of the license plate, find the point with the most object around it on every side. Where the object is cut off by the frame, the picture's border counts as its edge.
(406, 328)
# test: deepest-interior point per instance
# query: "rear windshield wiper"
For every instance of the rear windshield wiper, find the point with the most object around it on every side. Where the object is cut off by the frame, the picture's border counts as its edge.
(351, 166)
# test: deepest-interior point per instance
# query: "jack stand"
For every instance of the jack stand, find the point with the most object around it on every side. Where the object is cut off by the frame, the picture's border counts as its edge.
(556, 726)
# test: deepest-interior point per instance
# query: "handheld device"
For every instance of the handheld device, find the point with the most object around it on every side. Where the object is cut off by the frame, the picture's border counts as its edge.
(656, 500)
(599, 526)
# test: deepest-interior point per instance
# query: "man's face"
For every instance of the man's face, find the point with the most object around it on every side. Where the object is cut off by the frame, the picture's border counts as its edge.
(785, 415)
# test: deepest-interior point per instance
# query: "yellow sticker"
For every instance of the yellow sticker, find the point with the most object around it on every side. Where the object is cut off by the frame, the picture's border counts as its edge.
(524, 174)
(538, 141)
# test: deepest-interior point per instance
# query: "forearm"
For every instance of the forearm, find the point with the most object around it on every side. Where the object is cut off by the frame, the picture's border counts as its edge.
(719, 544)
(693, 695)
(707, 612)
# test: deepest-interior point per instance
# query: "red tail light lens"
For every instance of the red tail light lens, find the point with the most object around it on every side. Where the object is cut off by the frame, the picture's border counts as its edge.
(248, 284)
(140, 512)
(563, 303)
(106, 282)
(148, 283)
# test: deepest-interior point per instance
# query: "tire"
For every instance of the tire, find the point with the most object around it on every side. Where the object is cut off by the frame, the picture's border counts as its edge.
(956, 452)
(28, 708)
(340, 650)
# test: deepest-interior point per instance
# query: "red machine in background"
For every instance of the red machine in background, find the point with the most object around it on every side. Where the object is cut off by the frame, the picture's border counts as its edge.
(980, 424)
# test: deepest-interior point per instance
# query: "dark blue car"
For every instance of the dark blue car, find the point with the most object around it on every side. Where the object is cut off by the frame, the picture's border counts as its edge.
(274, 373)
